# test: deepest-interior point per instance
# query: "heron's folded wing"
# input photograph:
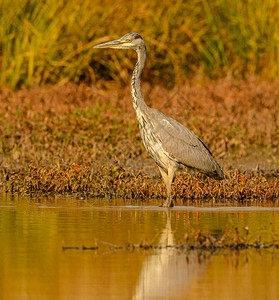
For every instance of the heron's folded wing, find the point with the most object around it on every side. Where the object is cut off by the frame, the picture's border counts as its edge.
(182, 144)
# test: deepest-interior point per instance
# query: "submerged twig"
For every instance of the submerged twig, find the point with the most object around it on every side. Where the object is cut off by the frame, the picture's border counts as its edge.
(230, 240)
(183, 247)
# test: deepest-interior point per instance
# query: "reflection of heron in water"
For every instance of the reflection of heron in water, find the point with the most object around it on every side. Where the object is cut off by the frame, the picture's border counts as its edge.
(166, 273)
(170, 144)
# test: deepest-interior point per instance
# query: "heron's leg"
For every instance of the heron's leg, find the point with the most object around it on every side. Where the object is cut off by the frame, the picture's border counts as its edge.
(168, 178)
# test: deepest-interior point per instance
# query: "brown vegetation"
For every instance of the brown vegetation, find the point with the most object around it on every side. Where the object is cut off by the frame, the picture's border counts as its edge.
(119, 183)
(62, 129)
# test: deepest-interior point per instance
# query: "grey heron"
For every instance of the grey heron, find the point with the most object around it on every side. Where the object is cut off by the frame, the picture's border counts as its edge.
(172, 145)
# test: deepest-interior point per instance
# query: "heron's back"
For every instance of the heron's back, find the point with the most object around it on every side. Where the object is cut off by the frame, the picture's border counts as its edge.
(168, 141)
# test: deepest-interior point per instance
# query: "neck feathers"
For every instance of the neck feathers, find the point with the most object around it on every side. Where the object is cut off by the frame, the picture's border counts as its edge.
(138, 101)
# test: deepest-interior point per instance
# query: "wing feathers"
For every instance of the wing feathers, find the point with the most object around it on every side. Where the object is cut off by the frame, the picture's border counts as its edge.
(183, 145)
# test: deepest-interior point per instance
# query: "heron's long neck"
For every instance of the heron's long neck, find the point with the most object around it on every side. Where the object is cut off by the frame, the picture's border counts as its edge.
(138, 101)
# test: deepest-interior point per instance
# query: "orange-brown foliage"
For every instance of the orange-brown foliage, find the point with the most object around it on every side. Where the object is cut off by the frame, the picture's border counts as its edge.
(58, 126)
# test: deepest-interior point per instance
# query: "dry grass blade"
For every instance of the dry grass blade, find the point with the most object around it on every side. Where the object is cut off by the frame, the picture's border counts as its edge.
(49, 41)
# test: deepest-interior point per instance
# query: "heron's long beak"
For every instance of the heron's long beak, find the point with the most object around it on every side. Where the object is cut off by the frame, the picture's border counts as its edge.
(112, 44)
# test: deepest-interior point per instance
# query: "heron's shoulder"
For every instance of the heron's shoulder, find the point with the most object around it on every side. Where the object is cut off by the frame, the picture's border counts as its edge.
(167, 125)
(181, 144)
(174, 135)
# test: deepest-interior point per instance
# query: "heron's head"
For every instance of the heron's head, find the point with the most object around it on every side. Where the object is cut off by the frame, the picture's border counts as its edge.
(128, 41)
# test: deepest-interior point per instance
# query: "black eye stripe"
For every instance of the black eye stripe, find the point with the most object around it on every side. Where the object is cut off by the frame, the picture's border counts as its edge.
(138, 37)
(131, 36)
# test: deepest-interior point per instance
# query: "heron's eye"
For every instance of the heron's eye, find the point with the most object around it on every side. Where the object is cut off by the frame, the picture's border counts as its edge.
(129, 40)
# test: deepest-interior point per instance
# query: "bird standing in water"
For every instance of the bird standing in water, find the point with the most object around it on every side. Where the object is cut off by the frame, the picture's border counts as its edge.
(172, 145)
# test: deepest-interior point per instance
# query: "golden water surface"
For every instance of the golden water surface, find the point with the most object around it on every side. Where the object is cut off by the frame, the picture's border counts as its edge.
(34, 266)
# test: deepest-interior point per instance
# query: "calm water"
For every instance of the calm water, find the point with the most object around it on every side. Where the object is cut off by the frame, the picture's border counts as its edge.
(33, 265)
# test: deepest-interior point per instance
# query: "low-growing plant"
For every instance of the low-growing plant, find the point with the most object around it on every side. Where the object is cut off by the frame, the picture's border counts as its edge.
(119, 183)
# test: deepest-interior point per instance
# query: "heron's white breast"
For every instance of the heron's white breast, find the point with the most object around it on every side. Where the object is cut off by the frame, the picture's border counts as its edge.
(154, 147)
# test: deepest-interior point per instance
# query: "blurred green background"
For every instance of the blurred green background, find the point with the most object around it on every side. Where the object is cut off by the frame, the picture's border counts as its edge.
(50, 41)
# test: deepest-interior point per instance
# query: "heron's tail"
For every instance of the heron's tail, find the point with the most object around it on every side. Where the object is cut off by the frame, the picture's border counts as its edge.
(216, 174)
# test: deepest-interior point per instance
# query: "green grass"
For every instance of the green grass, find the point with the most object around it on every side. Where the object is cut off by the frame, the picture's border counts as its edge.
(51, 41)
